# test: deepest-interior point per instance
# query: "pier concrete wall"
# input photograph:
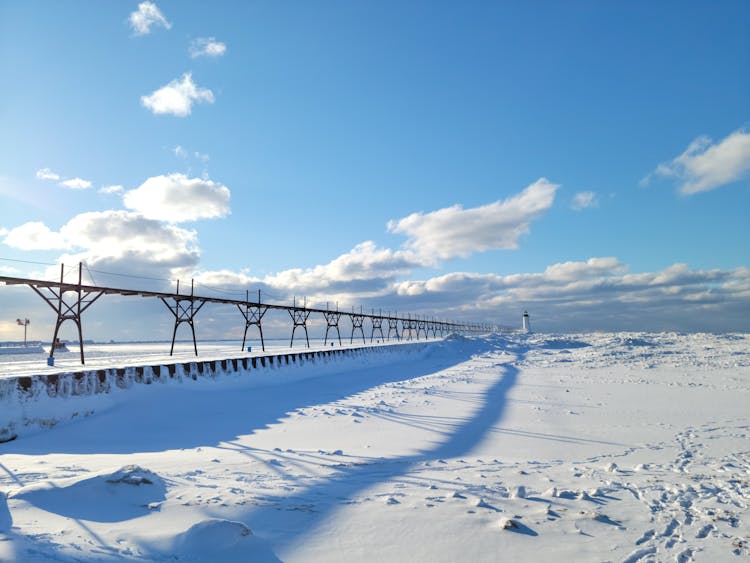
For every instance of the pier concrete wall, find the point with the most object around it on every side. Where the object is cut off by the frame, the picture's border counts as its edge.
(29, 403)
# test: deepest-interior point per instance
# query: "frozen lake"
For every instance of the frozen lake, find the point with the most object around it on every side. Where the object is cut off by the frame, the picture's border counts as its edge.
(586, 447)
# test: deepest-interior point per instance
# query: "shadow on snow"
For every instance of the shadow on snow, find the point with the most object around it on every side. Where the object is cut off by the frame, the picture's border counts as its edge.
(187, 418)
(460, 440)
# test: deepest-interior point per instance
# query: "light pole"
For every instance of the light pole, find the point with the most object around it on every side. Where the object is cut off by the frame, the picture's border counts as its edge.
(24, 323)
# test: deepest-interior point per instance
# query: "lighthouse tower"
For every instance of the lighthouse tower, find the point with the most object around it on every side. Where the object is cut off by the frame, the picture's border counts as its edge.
(526, 323)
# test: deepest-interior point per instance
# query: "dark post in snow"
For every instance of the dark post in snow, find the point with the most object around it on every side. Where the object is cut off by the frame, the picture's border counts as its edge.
(24, 323)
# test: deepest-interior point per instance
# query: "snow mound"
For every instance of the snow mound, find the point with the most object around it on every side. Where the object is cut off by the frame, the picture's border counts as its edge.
(212, 534)
(218, 540)
(106, 497)
(557, 343)
(456, 337)
(633, 341)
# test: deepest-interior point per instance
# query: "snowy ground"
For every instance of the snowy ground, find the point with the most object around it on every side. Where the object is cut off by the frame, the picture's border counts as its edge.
(591, 447)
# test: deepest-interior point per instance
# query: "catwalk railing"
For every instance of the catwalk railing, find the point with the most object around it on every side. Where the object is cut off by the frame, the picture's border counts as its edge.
(70, 300)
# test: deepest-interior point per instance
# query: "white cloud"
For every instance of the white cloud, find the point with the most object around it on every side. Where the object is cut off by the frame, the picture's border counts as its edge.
(207, 47)
(706, 166)
(227, 279)
(584, 200)
(182, 152)
(116, 189)
(177, 97)
(72, 183)
(457, 232)
(364, 270)
(34, 236)
(147, 16)
(176, 198)
(76, 184)
(569, 271)
(120, 233)
(118, 241)
(47, 174)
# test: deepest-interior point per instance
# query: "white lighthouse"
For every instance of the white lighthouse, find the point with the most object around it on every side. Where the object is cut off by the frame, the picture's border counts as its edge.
(526, 324)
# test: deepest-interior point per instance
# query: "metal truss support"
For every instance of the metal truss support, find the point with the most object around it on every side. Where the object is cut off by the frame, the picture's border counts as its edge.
(358, 320)
(70, 309)
(422, 326)
(408, 325)
(184, 311)
(253, 317)
(299, 318)
(332, 321)
(377, 324)
(393, 325)
(405, 327)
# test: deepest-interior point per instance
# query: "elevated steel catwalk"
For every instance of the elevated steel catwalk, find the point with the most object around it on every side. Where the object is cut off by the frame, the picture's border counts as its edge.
(70, 300)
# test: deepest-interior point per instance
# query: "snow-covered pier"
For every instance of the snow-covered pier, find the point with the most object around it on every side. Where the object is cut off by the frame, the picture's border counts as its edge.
(71, 391)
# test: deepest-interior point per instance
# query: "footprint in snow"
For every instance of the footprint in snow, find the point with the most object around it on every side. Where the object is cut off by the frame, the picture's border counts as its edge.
(647, 535)
(670, 529)
(704, 531)
(640, 554)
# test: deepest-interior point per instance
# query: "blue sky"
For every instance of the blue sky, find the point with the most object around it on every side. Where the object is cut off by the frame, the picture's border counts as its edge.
(587, 161)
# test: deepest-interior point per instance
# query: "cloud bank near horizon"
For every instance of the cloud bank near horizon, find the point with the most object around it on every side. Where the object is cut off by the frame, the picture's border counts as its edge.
(598, 293)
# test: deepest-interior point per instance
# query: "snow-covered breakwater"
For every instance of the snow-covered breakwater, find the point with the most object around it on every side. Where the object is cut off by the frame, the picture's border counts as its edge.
(32, 402)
